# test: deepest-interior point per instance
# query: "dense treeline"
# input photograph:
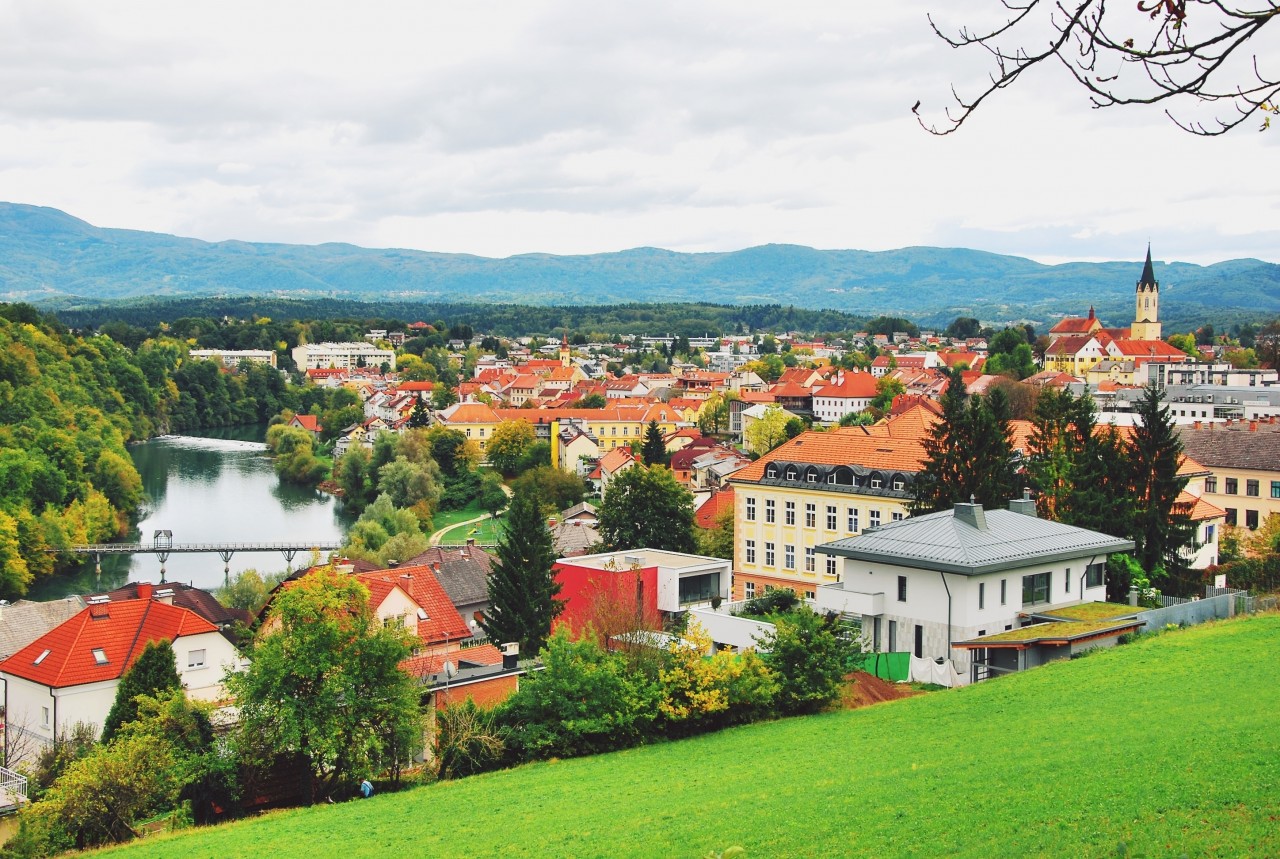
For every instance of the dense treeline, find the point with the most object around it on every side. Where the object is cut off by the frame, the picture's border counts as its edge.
(508, 320)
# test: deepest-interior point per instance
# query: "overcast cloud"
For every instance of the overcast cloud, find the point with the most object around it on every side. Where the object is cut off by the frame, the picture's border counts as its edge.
(564, 127)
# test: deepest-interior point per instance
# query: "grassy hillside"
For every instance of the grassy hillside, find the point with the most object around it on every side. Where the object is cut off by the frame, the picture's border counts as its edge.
(50, 257)
(1166, 745)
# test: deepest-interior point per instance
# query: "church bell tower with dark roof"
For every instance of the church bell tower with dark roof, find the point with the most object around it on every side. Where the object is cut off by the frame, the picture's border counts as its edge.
(1146, 318)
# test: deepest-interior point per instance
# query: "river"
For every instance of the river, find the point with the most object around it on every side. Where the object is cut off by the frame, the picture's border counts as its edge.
(217, 487)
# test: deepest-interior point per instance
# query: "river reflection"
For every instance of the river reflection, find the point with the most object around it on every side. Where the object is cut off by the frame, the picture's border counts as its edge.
(221, 488)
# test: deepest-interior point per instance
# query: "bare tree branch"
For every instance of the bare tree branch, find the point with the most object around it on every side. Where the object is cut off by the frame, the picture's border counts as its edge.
(1195, 53)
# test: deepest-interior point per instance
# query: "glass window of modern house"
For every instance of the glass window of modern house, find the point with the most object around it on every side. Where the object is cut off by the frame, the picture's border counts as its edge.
(1035, 588)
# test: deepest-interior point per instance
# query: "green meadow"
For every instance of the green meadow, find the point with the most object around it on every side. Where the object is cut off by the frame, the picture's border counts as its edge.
(1163, 747)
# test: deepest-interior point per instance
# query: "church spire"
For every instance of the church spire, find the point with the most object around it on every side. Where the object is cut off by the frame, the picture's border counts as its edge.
(1148, 274)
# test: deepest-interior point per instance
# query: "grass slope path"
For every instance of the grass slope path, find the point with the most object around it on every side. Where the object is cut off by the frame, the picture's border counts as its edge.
(1167, 746)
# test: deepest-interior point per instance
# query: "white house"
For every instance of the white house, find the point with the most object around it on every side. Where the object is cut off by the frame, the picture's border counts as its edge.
(923, 584)
(852, 393)
(70, 673)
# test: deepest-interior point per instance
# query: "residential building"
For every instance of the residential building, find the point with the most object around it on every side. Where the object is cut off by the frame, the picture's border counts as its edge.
(648, 585)
(813, 489)
(231, 358)
(347, 356)
(923, 584)
(1243, 463)
(851, 392)
(70, 673)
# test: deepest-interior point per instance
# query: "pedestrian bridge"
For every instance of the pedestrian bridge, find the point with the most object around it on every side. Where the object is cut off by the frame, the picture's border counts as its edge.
(162, 546)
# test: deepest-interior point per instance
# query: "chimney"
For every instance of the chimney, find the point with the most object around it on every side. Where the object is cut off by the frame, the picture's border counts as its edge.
(1024, 505)
(392, 563)
(1197, 424)
(344, 565)
(1253, 426)
(510, 655)
(145, 590)
(971, 514)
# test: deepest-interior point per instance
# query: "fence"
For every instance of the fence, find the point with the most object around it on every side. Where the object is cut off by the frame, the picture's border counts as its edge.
(13, 789)
(1187, 612)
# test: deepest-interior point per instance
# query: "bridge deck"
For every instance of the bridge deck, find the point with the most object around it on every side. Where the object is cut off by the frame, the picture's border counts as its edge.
(142, 548)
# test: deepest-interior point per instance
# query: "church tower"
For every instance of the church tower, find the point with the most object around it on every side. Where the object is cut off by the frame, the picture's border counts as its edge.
(1146, 319)
(564, 350)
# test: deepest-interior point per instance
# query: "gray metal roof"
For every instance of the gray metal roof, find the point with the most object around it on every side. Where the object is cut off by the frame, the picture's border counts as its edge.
(943, 541)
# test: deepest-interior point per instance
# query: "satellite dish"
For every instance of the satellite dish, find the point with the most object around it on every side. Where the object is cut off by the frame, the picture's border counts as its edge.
(450, 671)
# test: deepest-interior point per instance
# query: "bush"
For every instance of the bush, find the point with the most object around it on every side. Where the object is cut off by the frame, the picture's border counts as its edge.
(777, 601)
(585, 701)
(808, 658)
(701, 692)
(469, 740)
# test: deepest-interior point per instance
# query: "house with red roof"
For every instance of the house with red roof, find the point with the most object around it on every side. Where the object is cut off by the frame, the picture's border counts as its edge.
(310, 423)
(70, 673)
(852, 392)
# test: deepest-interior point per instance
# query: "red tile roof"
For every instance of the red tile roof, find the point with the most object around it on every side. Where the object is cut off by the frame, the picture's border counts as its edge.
(433, 663)
(854, 386)
(843, 446)
(308, 422)
(443, 622)
(710, 511)
(120, 629)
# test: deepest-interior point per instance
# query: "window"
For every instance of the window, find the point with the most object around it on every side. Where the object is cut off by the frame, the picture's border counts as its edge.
(831, 517)
(852, 513)
(751, 510)
(893, 636)
(1233, 486)
(919, 641)
(1095, 575)
(789, 556)
(750, 552)
(1231, 516)
(1275, 489)
(831, 565)
(902, 588)
(1209, 531)
(44, 717)
(875, 519)
(771, 471)
(1066, 580)
(811, 477)
(897, 516)
(769, 555)
(770, 511)
(749, 590)
(810, 559)
(44, 653)
(626, 430)
(1035, 588)
(1251, 488)
(789, 513)
(811, 515)
(1251, 519)
(898, 484)
(1004, 591)
(875, 482)
(195, 658)
(1211, 484)
(99, 656)
(982, 595)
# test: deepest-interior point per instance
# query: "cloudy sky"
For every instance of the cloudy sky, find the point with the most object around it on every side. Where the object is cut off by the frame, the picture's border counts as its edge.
(577, 127)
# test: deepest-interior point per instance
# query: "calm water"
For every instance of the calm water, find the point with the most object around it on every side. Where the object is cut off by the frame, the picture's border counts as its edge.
(218, 487)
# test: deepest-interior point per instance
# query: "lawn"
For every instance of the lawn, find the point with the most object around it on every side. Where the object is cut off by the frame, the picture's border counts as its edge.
(487, 531)
(1165, 746)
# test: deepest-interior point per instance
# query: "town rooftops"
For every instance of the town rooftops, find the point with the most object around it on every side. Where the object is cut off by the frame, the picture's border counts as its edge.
(1250, 445)
(970, 541)
(844, 446)
(101, 642)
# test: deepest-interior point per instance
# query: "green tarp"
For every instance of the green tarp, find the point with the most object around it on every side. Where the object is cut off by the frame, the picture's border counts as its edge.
(889, 666)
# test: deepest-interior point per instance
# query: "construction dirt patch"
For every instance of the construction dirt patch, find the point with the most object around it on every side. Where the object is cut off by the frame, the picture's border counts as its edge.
(867, 689)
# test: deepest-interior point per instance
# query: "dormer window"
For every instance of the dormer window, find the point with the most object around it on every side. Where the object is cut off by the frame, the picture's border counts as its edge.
(771, 471)
(99, 656)
(791, 473)
(44, 653)
(898, 484)
(875, 483)
(812, 477)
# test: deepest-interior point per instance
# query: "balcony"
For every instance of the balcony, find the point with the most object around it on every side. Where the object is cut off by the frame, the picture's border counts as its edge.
(835, 598)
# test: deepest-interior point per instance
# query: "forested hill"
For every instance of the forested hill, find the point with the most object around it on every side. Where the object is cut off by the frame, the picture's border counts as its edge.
(53, 259)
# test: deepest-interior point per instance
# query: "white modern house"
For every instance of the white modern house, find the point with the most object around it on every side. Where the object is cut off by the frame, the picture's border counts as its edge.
(922, 584)
(345, 356)
(70, 673)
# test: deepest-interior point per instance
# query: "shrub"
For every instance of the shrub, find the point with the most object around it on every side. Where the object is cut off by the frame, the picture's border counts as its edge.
(701, 692)
(808, 658)
(469, 740)
(775, 601)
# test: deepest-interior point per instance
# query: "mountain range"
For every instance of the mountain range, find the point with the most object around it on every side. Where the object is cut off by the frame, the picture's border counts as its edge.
(54, 260)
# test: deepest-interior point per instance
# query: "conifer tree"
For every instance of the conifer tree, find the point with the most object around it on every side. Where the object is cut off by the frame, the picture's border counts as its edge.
(969, 453)
(939, 483)
(522, 589)
(654, 450)
(1161, 527)
(155, 670)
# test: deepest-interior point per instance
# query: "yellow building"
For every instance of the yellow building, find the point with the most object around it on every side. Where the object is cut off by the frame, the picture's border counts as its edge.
(1243, 461)
(813, 489)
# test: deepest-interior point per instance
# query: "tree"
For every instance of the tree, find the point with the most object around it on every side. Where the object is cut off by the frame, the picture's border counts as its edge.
(768, 431)
(508, 444)
(1191, 53)
(421, 415)
(969, 453)
(644, 507)
(963, 327)
(522, 585)
(887, 388)
(590, 401)
(1161, 527)
(807, 657)
(702, 689)
(654, 449)
(717, 541)
(154, 671)
(493, 497)
(443, 396)
(411, 484)
(356, 479)
(558, 490)
(324, 683)
(247, 591)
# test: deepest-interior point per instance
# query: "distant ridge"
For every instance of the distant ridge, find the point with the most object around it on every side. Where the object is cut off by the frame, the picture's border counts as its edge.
(51, 258)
